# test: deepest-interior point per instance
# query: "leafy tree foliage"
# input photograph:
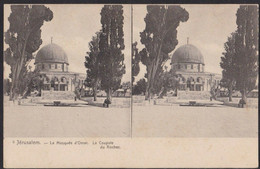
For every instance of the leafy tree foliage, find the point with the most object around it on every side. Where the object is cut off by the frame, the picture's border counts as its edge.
(32, 80)
(135, 61)
(23, 38)
(246, 49)
(7, 86)
(92, 64)
(167, 81)
(111, 45)
(140, 87)
(159, 38)
(228, 65)
(126, 85)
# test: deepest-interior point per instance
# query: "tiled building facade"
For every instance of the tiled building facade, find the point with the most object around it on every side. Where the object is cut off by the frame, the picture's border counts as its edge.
(188, 63)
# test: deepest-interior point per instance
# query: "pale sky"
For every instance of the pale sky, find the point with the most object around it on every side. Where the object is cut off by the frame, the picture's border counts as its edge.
(208, 27)
(74, 25)
(72, 28)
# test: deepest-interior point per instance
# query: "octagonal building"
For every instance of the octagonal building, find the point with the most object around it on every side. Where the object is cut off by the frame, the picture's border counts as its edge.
(188, 63)
(53, 65)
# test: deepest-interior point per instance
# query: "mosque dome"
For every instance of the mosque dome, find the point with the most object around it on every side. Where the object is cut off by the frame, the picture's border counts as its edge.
(187, 54)
(51, 53)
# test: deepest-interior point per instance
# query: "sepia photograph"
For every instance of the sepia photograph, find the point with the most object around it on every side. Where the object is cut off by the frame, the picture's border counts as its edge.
(195, 70)
(105, 85)
(67, 70)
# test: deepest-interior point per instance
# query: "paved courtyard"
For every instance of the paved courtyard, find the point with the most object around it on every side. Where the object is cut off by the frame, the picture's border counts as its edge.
(179, 121)
(88, 121)
(147, 121)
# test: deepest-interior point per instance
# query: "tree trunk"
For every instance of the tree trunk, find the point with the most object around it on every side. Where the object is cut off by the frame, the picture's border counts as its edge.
(176, 91)
(230, 94)
(109, 94)
(147, 93)
(161, 93)
(244, 97)
(95, 89)
(95, 93)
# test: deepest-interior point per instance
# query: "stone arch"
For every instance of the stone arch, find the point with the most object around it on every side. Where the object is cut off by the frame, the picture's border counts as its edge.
(183, 79)
(191, 79)
(63, 79)
(199, 80)
(55, 79)
(190, 83)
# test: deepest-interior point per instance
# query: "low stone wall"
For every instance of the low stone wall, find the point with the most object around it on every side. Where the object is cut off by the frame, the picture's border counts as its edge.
(123, 102)
(138, 99)
(251, 102)
(58, 95)
(171, 99)
(193, 95)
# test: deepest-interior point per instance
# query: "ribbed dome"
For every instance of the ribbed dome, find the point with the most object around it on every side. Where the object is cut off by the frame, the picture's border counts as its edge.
(51, 53)
(187, 54)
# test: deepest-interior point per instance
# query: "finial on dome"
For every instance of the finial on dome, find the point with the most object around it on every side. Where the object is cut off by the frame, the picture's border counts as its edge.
(187, 40)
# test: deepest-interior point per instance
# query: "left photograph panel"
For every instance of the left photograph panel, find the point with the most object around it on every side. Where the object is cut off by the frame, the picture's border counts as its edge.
(67, 70)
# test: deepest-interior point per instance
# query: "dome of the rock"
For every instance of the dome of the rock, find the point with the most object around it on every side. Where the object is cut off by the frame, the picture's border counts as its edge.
(51, 53)
(187, 54)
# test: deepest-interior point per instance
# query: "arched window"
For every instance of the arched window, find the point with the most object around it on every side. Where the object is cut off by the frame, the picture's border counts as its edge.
(199, 79)
(191, 79)
(49, 66)
(183, 80)
(63, 80)
(55, 66)
(191, 66)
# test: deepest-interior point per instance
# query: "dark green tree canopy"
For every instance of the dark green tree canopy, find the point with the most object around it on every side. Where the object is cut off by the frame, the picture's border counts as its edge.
(23, 38)
(135, 61)
(140, 87)
(111, 45)
(228, 59)
(92, 61)
(247, 48)
(159, 38)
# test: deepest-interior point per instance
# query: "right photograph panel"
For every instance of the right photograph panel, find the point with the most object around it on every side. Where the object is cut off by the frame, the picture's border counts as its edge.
(195, 70)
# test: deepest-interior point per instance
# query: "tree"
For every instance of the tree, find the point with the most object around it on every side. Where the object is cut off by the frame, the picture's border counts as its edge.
(7, 86)
(111, 45)
(246, 49)
(135, 61)
(159, 38)
(92, 64)
(32, 80)
(140, 87)
(23, 38)
(125, 86)
(228, 65)
(167, 81)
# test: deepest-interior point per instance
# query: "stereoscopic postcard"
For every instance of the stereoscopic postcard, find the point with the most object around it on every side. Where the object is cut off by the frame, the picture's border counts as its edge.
(130, 85)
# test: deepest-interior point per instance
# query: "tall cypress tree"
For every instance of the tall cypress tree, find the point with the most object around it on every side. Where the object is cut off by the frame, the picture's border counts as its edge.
(111, 45)
(92, 64)
(135, 61)
(228, 65)
(23, 38)
(246, 49)
(159, 38)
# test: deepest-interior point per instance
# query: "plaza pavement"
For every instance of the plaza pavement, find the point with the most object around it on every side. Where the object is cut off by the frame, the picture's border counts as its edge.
(147, 121)
(179, 121)
(46, 121)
